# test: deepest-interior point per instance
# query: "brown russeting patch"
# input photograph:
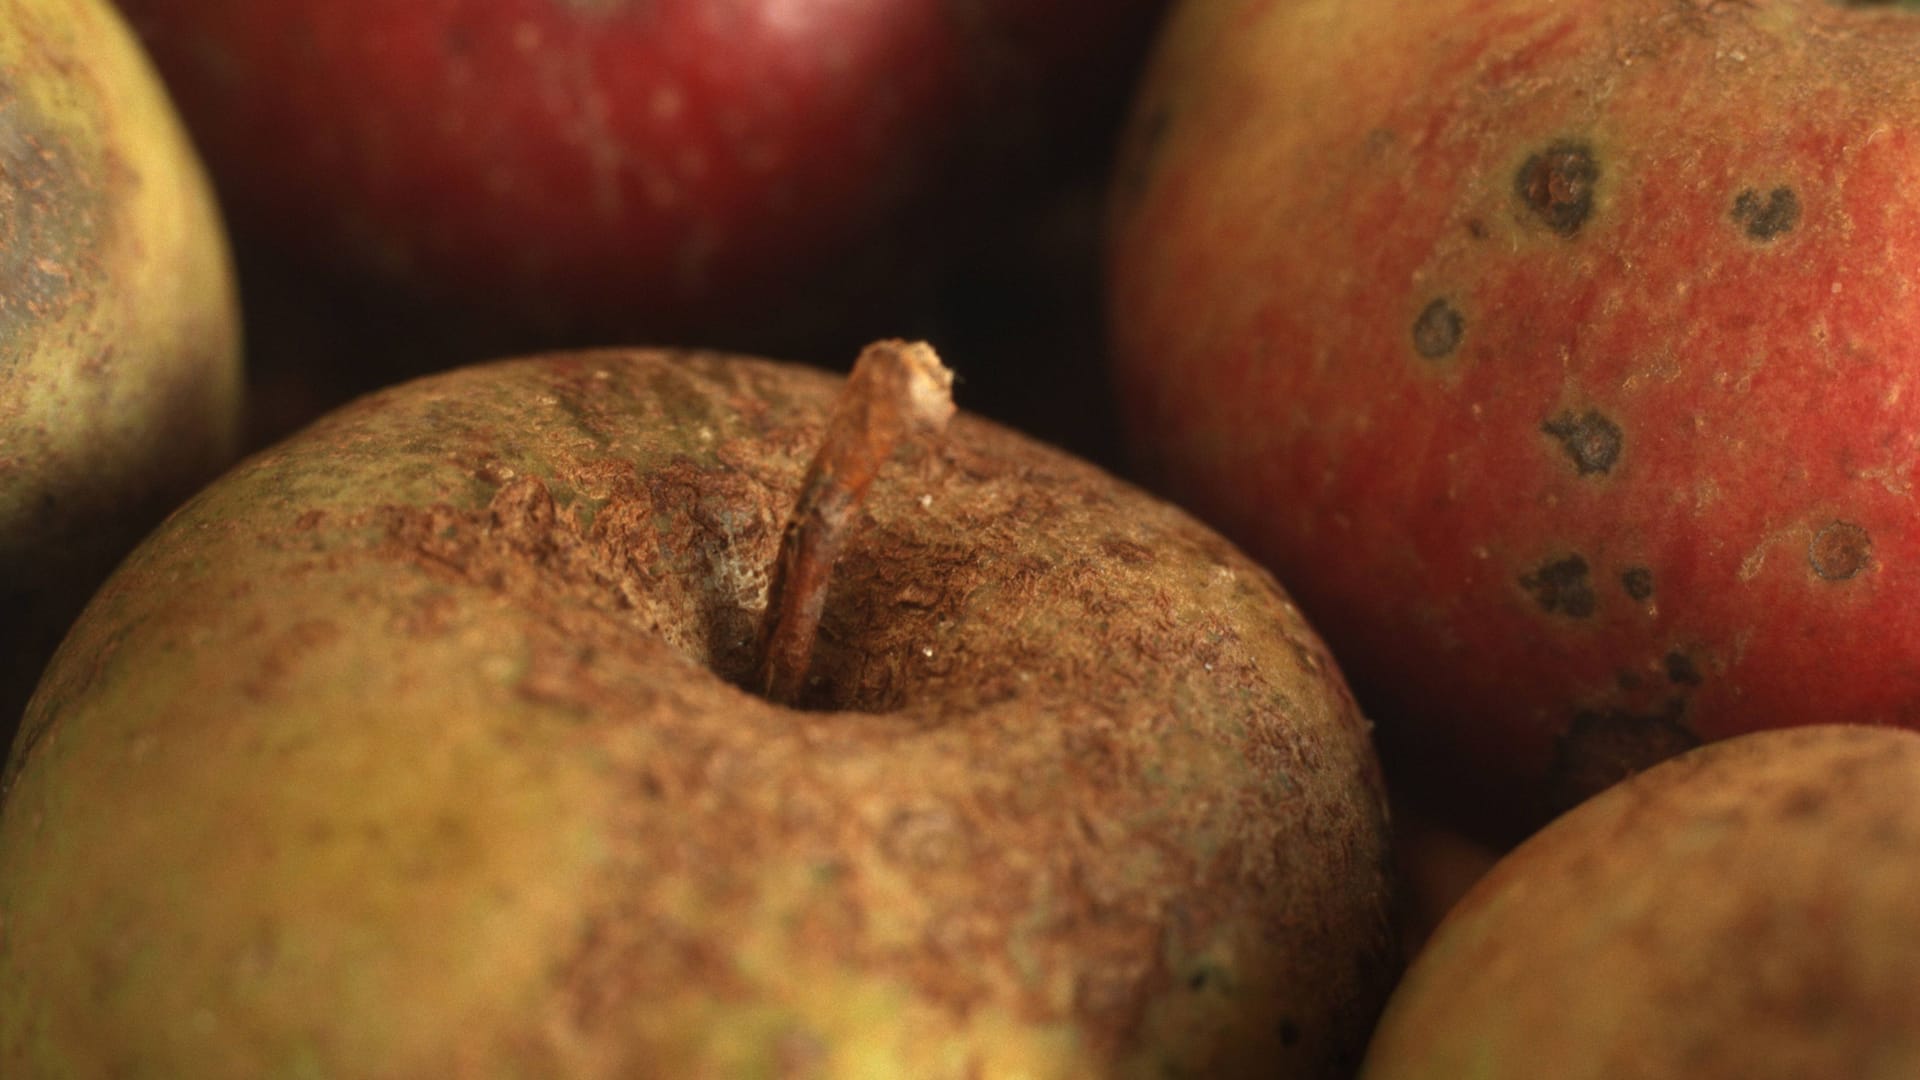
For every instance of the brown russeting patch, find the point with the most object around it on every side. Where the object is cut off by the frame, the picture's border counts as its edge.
(53, 213)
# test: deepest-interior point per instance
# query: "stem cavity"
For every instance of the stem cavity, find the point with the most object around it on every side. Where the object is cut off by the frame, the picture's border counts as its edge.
(897, 391)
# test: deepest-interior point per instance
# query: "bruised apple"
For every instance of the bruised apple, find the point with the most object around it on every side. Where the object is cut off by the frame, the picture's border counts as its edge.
(1562, 358)
(1742, 912)
(119, 343)
(519, 721)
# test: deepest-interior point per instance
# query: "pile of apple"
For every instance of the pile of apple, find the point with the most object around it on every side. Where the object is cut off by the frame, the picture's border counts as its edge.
(558, 688)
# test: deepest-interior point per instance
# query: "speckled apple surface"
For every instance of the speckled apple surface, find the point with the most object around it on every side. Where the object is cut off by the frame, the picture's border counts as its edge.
(1558, 357)
(412, 748)
(119, 336)
(1745, 911)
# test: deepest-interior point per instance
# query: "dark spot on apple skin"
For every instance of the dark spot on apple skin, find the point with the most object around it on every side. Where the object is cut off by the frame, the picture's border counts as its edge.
(1436, 332)
(1591, 440)
(1556, 185)
(1765, 217)
(1289, 1032)
(1602, 747)
(1681, 670)
(1638, 582)
(1561, 586)
(1802, 802)
(1840, 551)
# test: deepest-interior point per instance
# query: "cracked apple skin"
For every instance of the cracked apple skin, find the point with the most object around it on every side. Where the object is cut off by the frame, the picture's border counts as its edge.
(413, 748)
(1744, 911)
(712, 171)
(119, 339)
(1559, 357)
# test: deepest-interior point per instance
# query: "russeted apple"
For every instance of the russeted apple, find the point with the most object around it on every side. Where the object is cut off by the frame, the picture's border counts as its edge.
(119, 338)
(1745, 911)
(520, 721)
(1561, 357)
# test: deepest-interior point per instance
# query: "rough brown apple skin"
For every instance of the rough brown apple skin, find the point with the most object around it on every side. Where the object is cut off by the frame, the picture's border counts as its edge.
(1745, 911)
(1559, 357)
(411, 748)
(119, 336)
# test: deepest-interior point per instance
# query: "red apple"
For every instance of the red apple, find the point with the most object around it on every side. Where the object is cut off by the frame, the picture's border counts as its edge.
(677, 166)
(1560, 356)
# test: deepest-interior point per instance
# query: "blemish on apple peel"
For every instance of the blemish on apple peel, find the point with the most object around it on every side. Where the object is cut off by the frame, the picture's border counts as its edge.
(1681, 670)
(1602, 746)
(1591, 440)
(1840, 551)
(1561, 586)
(1766, 218)
(1557, 185)
(1438, 329)
(1638, 582)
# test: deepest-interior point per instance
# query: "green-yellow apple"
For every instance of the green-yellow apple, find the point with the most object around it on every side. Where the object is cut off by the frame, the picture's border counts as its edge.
(1561, 357)
(1745, 911)
(446, 739)
(119, 354)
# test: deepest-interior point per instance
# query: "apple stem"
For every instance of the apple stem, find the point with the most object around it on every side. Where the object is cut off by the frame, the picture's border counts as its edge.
(897, 389)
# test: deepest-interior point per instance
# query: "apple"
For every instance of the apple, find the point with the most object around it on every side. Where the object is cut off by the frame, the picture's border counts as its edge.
(1560, 357)
(519, 721)
(1435, 864)
(119, 344)
(714, 171)
(1743, 910)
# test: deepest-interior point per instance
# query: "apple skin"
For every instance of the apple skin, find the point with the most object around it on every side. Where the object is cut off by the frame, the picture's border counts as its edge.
(1745, 910)
(1559, 357)
(120, 374)
(687, 170)
(412, 747)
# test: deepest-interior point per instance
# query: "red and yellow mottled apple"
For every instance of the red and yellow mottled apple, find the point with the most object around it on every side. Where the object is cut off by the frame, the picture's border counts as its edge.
(681, 166)
(1559, 356)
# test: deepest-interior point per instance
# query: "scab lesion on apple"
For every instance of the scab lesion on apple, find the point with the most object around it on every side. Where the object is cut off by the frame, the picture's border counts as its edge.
(1557, 185)
(1766, 218)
